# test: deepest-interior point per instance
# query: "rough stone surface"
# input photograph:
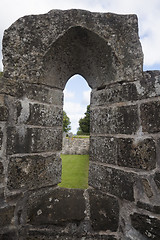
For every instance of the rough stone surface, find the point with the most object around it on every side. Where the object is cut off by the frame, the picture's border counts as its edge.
(77, 146)
(113, 181)
(103, 149)
(32, 140)
(122, 120)
(150, 113)
(149, 207)
(157, 179)
(146, 225)
(45, 236)
(31, 172)
(11, 235)
(58, 206)
(1, 138)
(104, 211)
(124, 152)
(40, 54)
(140, 154)
(118, 93)
(6, 216)
(116, 34)
(3, 113)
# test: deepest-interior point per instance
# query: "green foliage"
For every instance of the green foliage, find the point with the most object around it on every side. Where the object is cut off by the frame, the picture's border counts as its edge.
(75, 171)
(66, 123)
(1, 74)
(84, 123)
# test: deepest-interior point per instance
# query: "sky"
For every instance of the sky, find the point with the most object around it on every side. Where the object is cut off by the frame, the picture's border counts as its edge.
(77, 92)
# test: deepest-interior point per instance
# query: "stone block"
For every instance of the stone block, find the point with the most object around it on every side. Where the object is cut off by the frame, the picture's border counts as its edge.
(3, 113)
(152, 208)
(149, 85)
(10, 235)
(63, 236)
(33, 171)
(140, 154)
(44, 115)
(23, 139)
(110, 180)
(117, 93)
(157, 179)
(103, 149)
(114, 120)
(150, 114)
(148, 226)
(56, 207)
(1, 138)
(26, 112)
(6, 216)
(104, 211)
(40, 93)
(1, 173)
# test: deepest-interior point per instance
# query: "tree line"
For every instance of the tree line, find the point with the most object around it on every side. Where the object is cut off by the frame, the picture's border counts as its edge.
(84, 123)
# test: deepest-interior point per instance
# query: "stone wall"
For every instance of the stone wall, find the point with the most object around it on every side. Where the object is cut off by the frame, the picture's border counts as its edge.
(40, 54)
(77, 146)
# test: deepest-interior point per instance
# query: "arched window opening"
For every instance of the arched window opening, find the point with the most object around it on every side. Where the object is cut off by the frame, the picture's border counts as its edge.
(75, 150)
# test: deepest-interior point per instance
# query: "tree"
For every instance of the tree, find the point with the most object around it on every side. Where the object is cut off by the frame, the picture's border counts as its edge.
(84, 123)
(66, 123)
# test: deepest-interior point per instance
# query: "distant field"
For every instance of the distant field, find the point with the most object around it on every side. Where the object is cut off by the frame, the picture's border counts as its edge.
(75, 171)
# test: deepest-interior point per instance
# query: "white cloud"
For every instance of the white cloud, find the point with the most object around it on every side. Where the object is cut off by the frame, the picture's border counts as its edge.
(147, 11)
(74, 111)
(68, 94)
(86, 97)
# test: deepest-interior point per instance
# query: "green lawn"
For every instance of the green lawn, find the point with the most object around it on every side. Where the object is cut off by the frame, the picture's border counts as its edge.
(75, 171)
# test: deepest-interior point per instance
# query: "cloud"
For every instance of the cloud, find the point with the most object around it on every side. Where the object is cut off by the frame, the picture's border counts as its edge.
(147, 11)
(86, 97)
(68, 94)
(74, 111)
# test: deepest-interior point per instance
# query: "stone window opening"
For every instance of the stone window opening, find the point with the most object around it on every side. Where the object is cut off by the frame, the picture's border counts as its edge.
(75, 148)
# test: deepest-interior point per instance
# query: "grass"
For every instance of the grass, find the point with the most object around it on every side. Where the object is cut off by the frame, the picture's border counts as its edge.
(75, 171)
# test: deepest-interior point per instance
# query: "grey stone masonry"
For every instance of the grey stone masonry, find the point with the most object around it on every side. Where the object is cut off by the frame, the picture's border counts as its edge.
(40, 54)
(77, 146)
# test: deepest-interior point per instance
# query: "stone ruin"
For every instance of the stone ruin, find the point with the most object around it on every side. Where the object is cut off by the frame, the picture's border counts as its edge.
(40, 54)
(75, 145)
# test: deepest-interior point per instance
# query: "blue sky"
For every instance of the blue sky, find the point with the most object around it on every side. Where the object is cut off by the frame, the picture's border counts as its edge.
(77, 91)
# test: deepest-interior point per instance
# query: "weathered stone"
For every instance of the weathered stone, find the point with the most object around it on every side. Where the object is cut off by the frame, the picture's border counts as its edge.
(149, 207)
(33, 140)
(111, 180)
(148, 226)
(117, 93)
(150, 114)
(149, 85)
(1, 138)
(60, 236)
(50, 234)
(42, 115)
(139, 154)
(147, 188)
(157, 179)
(10, 235)
(76, 146)
(3, 113)
(103, 149)
(101, 46)
(104, 211)
(1, 172)
(40, 93)
(6, 215)
(56, 207)
(123, 120)
(125, 152)
(31, 172)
